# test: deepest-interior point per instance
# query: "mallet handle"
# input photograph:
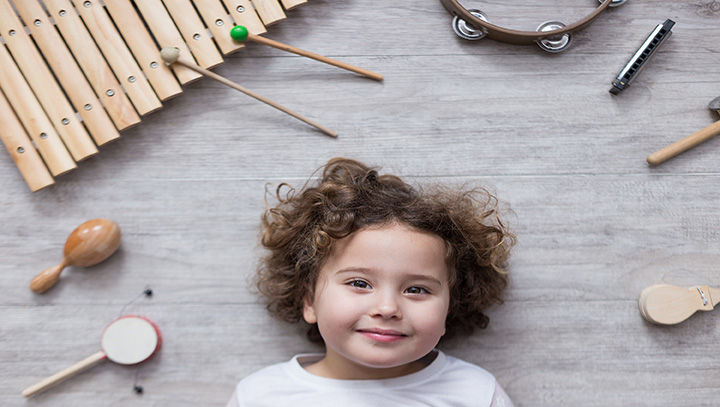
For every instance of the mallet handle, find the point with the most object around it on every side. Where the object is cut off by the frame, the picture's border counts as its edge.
(301, 52)
(685, 144)
(78, 367)
(250, 93)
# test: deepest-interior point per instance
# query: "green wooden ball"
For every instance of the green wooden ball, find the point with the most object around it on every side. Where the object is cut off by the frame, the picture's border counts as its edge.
(239, 33)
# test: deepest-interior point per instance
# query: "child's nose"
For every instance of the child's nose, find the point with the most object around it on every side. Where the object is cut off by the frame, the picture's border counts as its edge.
(387, 307)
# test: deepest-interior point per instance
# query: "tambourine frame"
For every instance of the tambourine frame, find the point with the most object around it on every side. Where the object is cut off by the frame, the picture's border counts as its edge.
(517, 37)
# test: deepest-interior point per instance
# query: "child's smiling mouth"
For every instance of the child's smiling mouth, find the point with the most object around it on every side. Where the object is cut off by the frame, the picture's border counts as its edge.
(382, 335)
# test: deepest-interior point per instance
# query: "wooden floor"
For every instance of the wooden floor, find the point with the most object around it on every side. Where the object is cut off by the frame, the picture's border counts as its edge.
(595, 223)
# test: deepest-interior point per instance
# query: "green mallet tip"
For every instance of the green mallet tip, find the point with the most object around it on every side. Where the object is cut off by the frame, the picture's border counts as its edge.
(239, 33)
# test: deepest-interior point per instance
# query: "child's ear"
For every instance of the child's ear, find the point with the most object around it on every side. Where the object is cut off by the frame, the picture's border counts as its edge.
(309, 310)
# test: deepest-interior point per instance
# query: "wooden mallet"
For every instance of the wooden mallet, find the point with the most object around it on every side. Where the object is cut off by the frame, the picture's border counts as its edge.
(240, 33)
(171, 55)
(688, 142)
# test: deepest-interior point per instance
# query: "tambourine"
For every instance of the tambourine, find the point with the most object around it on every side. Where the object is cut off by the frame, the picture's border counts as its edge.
(129, 340)
(551, 36)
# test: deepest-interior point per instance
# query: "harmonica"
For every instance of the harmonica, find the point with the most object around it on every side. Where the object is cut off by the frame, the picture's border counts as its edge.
(656, 38)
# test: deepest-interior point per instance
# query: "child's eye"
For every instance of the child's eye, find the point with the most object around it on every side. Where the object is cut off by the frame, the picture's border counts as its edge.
(416, 290)
(359, 284)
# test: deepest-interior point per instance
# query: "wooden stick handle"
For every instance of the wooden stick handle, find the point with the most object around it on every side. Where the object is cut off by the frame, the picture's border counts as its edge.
(250, 93)
(64, 374)
(47, 278)
(301, 52)
(685, 144)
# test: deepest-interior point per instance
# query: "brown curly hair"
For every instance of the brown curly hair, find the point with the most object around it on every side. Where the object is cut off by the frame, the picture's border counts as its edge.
(302, 229)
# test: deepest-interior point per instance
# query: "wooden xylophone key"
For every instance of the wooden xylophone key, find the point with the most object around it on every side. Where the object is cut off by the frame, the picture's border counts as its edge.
(166, 34)
(91, 61)
(216, 18)
(193, 30)
(31, 115)
(101, 39)
(243, 12)
(270, 11)
(42, 82)
(143, 48)
(21, 149)
(68, 73)
(291, 4)
(118, 56)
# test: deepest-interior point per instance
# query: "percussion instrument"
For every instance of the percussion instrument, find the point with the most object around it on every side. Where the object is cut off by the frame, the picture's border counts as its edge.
(171, 55)
(129, 340)
(669, 305)
(75, 73)
(89, 244)
(551, 36)
(241, 34)
(688, 142)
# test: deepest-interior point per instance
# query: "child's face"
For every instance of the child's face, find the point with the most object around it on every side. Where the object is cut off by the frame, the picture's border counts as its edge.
(380, 302)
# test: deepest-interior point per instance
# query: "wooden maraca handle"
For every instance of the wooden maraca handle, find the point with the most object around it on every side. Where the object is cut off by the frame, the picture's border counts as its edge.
(88, 362)
(47, 278)
(685, 144)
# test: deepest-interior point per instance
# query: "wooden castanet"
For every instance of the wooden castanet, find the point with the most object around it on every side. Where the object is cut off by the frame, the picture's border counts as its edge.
(129, 340)
(93, 64)
(669, 305)
(32, 116)
(89, 244)
(21, 149)
(241, 34)
(68, 73)
(118, 56)
(143, 47)
(41, 80)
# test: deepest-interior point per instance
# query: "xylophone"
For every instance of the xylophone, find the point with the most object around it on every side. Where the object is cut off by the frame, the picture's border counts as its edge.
(74, 73)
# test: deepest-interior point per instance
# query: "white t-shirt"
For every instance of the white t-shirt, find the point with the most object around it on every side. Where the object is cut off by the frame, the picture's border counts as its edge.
(446, 381)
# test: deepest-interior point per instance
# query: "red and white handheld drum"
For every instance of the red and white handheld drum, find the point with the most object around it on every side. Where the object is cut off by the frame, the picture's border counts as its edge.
(129, 340)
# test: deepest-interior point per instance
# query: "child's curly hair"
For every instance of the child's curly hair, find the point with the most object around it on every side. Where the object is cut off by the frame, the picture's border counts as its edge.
(302, 229)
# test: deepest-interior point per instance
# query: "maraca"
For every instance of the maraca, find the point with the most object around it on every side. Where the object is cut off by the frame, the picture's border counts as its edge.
(89, 244)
